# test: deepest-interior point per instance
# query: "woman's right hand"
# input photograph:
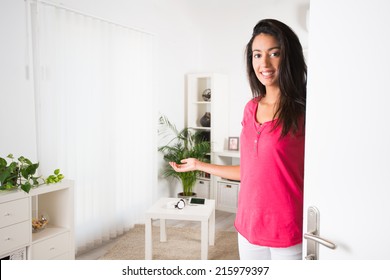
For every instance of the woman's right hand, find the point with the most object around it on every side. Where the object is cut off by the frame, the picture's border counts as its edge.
(187, 164)
(193, 164)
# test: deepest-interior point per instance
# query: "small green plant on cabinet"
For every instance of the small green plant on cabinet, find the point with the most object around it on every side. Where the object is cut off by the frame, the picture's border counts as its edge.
(54, 178)
(20, 173)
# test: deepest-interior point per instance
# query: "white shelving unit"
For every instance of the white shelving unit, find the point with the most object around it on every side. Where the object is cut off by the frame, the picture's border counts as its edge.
(197, 107)
(223, 191)
(17, 210)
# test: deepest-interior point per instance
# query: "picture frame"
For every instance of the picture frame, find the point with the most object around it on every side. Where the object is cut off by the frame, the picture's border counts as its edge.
(233, 143)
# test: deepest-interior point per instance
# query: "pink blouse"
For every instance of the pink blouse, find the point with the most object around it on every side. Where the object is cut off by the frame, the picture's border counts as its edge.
(270, 200)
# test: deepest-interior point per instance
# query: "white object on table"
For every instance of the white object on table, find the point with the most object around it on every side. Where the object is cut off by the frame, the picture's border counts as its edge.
(202, 213)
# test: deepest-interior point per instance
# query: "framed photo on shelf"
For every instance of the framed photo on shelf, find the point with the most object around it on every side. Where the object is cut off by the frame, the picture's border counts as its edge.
(233, 144)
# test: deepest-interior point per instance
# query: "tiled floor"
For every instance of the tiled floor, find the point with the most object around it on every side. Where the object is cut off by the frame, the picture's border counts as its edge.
(224, 221)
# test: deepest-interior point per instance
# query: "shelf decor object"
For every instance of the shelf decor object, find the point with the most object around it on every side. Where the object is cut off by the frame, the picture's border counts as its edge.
(205, 121)
(39, 224)
(206, 95)
(233, 144)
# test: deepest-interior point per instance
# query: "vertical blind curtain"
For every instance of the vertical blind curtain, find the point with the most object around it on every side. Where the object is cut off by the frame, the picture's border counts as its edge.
(95, 117)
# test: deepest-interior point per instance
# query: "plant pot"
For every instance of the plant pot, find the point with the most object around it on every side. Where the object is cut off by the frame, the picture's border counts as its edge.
(186, 197)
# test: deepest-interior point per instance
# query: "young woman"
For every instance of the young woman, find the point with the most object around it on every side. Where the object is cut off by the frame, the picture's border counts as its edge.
(270, 206)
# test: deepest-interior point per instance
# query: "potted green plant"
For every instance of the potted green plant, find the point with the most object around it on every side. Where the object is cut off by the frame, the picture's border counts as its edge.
(20, 173)
(182, 144)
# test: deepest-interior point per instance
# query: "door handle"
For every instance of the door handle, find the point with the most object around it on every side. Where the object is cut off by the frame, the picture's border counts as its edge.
(318, 239)
(312, 235)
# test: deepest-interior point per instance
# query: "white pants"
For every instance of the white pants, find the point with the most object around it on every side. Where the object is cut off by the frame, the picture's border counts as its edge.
(250, 251)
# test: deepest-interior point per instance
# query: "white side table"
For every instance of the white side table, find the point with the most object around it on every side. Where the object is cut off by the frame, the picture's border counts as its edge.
(202, 213)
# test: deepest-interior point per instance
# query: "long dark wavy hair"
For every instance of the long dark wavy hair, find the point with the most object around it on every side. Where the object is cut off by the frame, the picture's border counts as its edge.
(292, 74)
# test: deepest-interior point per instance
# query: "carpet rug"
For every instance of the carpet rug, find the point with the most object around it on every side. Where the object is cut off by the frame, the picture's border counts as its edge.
(182, 244)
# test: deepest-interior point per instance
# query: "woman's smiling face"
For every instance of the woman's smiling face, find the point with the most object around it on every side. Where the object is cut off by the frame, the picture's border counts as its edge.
(266, 59)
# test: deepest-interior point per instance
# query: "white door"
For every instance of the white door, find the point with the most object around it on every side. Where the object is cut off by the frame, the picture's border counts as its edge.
(347, 167)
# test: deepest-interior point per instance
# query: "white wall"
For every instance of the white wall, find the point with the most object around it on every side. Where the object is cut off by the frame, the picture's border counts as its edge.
(192, 36)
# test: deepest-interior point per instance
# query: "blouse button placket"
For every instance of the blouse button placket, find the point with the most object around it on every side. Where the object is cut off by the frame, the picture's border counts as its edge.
(259, 129)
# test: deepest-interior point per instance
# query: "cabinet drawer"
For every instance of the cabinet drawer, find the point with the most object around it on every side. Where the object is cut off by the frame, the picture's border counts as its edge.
(202, 188)
(15, 236)
(65, 256)
(51, 247)
(227, 195)
(14, 212)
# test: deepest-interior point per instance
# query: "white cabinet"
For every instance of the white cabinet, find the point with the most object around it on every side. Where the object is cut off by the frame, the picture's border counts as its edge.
(227, 196)
(51, 247)
(14, 211)
(227, 190)
(14, 237)
(17, 209)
